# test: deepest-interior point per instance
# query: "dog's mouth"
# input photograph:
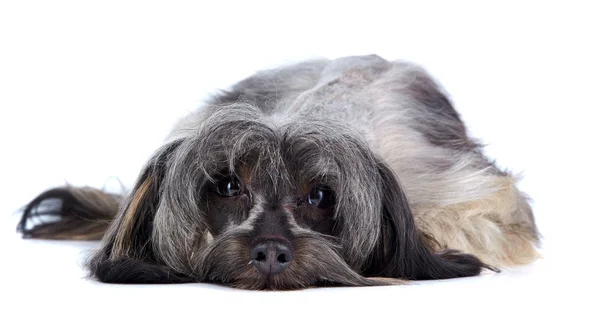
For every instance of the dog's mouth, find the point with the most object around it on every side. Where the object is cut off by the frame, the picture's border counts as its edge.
(316, 263)
(280, 283)
(273, 283)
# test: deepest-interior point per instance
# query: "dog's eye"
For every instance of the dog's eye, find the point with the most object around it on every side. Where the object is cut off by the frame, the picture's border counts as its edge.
(321, 197)
(229, 186)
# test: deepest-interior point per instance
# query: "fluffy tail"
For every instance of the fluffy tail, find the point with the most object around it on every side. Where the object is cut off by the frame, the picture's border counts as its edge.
(77, 213)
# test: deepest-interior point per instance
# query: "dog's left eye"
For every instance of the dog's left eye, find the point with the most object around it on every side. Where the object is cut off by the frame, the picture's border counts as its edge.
(321, 197)
(229, 186)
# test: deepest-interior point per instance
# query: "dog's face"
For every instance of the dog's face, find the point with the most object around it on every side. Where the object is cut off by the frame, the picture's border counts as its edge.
(280, 204)
(258, 205)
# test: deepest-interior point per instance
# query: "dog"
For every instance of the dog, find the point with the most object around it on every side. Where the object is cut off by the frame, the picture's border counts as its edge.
(356, 171)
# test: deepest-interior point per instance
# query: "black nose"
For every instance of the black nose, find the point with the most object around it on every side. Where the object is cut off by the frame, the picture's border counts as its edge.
(271, 257)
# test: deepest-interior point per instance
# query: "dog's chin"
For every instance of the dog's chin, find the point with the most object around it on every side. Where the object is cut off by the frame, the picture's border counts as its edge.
(279, 282)
(316, 263)
(251, 279)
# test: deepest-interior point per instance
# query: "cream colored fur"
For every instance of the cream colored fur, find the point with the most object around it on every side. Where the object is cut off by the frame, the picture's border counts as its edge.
(495, 228)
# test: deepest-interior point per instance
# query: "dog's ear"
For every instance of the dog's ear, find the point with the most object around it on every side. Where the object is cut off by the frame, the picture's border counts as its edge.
(126, 254)
(401, 251)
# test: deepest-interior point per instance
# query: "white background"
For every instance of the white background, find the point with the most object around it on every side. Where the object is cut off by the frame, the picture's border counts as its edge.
(88, 91)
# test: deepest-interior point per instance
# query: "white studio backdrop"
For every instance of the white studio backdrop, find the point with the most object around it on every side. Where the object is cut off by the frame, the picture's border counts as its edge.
(88, 90)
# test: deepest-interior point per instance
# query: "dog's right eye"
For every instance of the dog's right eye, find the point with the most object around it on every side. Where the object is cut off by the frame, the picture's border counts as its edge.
(229, 186)
(321, 197)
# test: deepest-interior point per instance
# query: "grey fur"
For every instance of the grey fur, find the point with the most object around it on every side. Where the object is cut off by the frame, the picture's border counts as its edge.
(382, 135)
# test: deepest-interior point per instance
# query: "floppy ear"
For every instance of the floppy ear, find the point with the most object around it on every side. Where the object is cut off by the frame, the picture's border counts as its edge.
(126, 254)
(402, 253)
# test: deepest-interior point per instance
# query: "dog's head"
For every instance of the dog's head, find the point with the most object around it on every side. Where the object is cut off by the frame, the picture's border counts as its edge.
(254, 204)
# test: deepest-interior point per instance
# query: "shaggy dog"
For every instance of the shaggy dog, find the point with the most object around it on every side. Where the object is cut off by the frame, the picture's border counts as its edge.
(325, 172)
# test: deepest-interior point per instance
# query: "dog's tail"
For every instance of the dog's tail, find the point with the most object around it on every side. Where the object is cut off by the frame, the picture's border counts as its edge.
(77, 213)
